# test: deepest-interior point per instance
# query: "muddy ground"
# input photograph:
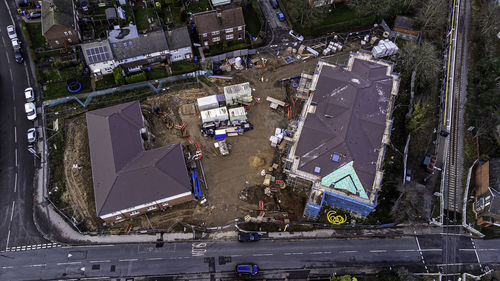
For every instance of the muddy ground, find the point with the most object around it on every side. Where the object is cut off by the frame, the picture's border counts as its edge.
(226, 177)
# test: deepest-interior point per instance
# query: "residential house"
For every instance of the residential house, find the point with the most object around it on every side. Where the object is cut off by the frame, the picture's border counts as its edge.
(179, 44)
(131, 51)
(128, 180)
(59, 23)
(340, 140)
(217, 3)
(319, 3)
(216, 26)
(487, 204)
(98, 57)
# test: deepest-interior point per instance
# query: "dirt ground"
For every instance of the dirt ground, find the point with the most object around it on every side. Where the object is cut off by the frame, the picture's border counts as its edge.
(227, 177)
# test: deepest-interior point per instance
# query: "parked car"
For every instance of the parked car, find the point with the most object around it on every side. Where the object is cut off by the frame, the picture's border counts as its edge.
(248, 236)
(32, 135)
(30, 110)
(280, 16)
(296, 35)
(34, 15)
(11, 30)
(16, 44)
(274, 3)
(18, 56)
(247, 269)
(29, 94)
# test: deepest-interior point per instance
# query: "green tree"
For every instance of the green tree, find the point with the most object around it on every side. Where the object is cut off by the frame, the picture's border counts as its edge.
(424, 59)
(117, 74)
(418, 120)
(383, 9)
(343, 278)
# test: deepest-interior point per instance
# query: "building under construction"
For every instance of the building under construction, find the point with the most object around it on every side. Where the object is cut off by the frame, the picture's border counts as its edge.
(339, 143)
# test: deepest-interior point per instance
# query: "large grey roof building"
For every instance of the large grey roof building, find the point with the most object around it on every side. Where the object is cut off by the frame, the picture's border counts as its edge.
(340, 143)
(129, 180)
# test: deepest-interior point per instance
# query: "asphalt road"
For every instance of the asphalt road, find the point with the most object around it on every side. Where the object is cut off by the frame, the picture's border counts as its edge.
(16, 163)
(418, 254)
(278, 29)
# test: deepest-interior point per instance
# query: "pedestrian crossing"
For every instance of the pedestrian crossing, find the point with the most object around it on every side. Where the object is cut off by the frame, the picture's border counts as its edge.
(33, 247)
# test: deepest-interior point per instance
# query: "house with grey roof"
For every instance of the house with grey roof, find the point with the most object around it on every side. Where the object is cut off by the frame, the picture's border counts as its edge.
(132, 50)
(487, 204)
(340, 140)
(98, 57)
(179, 44)
(220, 25)
(127, 179)
(59, 23)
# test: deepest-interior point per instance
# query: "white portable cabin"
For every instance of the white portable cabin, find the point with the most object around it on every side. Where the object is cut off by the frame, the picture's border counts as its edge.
(206, 103)
(215, 114)
(238, 93)
(237, 114)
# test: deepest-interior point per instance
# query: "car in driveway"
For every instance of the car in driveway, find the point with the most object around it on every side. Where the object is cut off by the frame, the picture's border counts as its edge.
(29, 94)
(11, 30)
(247, 269)
(280, 16)
(32, 135)
(296, 35)
(30, 110)
(248, 236)
(18, 56)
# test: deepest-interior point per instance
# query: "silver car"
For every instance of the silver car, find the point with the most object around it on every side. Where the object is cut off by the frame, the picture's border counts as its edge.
(29, 94)
(30, 110)
(32, 135)
(11, 30)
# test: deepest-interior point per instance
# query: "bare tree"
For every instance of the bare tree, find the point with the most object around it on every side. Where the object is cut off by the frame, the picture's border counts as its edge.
(432, 17)
(423, 59)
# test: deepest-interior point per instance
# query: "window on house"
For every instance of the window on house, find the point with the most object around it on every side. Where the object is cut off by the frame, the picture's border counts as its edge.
(240, 27)
(164, 204)
(204, 34)
(229, 36)
(150, 208)
(216, 39)
(66, 33)
(229, 30)
(206, 43)
(215, 33)
(69, 40)
(134, 213)
(57, 42)
(239, 36)
(118, 217)
(69, 32)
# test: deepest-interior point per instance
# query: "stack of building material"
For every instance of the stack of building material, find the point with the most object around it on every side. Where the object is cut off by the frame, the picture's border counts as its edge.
(206, 103)
(384, 48)
(279, 134)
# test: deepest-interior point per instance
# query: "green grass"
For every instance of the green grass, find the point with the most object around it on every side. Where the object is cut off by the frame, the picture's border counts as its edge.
(55, 90)
(196, 7)
(140, 18)
(231, 46)
(34, 32)
(107, 81)
(70, 72)
(50, 75)
(183, 66)
(156, 73)
(252, 21)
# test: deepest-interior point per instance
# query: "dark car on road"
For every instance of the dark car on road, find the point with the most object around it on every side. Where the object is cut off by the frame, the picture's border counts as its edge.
(248, 236)
(247, 269)
(18, 56)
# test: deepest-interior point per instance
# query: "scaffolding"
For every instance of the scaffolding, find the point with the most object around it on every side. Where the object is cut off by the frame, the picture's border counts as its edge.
(304, 86)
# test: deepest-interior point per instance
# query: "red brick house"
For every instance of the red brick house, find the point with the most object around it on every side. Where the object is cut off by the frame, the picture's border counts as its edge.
(59, 23)
(217, 26)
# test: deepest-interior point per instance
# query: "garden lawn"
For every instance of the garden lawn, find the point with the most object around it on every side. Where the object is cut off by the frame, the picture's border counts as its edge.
(198, 6)
(156, 73)
(34, 32)
(183, 66)
(140, 18)
(107, 81)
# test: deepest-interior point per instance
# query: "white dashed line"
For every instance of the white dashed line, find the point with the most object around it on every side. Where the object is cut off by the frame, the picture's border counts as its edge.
(15, 133)
(154, 259)
(378, 251)
(261, 255)
(234, 256)
(103, 261)
(36, 265)
(15, 182)
(15, 154)
(12, 211)
(67, 263)
(7, 267)
(316, 253)
(8, 237)
(126, 260)
(347, 252)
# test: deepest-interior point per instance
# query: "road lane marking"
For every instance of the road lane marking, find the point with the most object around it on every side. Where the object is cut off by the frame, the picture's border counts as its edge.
(125, 260)
(15, 182)
(261, 255)
(475, 251)
(378, 251)
(7, 267)
(316, 253)
(67, 263)
(12, 211)
(100, 261)
(15, 131)
(154, 259)
(346, 252)
(234, 256)
(8, 237)
(36, 265)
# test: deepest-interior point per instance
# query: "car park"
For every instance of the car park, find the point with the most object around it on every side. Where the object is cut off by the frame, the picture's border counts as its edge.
(18, 56)
(29, 94)
(248, 236)
(247, 269)
(11, 30)
(32, 135)
(30, 110)
(34, 15)
(296, 35)
(16, 44)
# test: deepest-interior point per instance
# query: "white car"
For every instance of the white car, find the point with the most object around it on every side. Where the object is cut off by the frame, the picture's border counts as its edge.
(11, 30)
(29, 94)
(32, 135)
(296, 35)
(30, 110)
(16, 44)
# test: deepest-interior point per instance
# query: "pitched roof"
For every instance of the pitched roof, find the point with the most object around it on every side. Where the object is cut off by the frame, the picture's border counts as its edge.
(124, 174)
(494, 184)
(178, 38)
(139, 46)
(209, 21)
(348, 123)
(96, 52)
(57, 12)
